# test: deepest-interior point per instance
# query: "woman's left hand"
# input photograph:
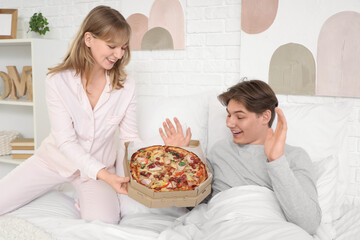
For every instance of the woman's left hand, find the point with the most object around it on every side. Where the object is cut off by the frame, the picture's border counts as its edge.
(275, 141)
(174, 136)
(119, 184)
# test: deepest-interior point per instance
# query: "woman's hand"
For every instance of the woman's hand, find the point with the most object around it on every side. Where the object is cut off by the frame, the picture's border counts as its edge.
(275, 142)
(119, 184)
(174, 136)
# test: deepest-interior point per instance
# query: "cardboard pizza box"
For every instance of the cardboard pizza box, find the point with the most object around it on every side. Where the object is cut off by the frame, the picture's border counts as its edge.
(154, 199)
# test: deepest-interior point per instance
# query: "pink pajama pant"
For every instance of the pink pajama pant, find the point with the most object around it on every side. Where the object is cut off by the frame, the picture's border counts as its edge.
(33, 178)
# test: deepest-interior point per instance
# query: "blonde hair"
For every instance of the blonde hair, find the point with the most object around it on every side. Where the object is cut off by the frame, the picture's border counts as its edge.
(106, 24)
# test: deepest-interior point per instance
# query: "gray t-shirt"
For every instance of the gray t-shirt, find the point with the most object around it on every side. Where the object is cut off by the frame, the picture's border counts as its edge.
(291, 177)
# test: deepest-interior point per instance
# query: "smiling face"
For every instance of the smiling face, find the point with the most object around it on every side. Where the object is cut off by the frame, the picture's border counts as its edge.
(104, 53)
(246, 127)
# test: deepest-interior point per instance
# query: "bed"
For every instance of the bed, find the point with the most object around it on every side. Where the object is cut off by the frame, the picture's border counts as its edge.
(247, 212)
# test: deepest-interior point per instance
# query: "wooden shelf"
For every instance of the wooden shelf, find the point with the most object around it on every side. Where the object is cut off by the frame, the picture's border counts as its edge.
(8, 159)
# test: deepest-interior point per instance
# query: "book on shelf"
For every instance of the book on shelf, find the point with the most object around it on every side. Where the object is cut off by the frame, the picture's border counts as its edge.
(22, 147)
(22, 144)
(21, 156)
(22, 151)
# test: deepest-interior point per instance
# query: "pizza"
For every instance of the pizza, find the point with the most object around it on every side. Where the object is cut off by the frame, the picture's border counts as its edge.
(167, 168)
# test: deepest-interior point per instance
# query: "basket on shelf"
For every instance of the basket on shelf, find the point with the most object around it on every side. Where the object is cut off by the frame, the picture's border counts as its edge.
(5, 138)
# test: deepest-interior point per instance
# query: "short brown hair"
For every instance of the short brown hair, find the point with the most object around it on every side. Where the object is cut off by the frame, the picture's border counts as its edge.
(256, 96)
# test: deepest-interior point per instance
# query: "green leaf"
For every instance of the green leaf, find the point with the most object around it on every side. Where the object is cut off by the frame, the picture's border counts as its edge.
(38, 23)
(182, 164)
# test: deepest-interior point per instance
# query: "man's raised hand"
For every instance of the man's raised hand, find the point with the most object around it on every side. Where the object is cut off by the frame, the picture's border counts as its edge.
(174, 136)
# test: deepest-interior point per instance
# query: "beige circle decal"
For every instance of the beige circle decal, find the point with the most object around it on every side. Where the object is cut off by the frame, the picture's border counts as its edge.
(292, 70)
(156, 39)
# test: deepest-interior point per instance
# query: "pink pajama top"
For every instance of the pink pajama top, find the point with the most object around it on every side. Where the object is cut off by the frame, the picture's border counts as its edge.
(82, 138)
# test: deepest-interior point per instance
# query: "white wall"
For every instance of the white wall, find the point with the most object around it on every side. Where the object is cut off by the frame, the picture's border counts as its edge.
(211, 59)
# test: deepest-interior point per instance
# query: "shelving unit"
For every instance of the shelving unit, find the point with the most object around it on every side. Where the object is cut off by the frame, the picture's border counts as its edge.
(30, 118)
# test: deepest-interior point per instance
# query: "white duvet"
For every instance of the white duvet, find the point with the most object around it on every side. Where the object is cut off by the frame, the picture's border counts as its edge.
(247, 212)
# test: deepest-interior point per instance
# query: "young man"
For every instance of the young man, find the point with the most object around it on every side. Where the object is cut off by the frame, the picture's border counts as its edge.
(259, 156)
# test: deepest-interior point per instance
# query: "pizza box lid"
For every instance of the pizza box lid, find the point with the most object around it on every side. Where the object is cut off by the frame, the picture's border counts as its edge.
(154, 199)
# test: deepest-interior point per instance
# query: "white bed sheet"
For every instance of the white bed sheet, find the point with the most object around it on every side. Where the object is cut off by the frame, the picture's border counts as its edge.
(56, 215)
(248, 212)
(348, 226)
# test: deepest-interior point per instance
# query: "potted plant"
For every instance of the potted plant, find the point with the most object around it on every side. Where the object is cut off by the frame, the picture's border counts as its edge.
(38, 24)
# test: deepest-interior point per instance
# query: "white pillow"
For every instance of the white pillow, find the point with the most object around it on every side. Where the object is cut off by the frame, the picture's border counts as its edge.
(327, 176)
(192, 111)
(318, 128)
(217, 129)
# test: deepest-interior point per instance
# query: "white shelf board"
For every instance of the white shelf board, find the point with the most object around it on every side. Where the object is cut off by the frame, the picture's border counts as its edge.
(15, 42)
(8, 159)
(20, 102)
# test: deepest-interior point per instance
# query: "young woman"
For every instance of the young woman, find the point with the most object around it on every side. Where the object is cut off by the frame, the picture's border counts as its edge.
(89, 96)
(259, 156)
